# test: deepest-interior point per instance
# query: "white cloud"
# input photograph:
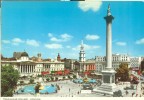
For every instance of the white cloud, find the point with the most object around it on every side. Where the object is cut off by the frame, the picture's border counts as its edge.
(55, 39)
(50, 35)
(92, 37)
(17, 41)
(66, 37)
(53, 46)
(141, 41)
(13, 43)
(63, 37)
(86, 47)
(68, 46)
(32, 43)
(5, 41)
(121, 43)
(93, 5)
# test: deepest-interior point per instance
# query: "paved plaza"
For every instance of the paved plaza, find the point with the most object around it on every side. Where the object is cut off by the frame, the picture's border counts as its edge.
(70, 89)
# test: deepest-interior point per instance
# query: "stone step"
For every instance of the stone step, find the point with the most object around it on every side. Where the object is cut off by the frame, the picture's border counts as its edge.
(106, 89)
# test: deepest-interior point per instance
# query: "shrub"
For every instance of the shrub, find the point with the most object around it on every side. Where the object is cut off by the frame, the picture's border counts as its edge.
(74, 76)
(117, 93)
(69, 77)
(47, 79)
(21, 82)
(52, 78)
(39, 75)
(63, 77)
(56, 78)
(31, 81)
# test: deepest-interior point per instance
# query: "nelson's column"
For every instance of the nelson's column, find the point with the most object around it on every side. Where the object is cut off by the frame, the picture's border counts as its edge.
(108, 74)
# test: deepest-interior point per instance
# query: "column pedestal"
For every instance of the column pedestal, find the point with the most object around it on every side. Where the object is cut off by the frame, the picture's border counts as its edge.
(108, 82)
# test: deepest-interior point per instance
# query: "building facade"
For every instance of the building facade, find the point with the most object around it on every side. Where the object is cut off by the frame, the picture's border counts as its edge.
(27, 67)
(117, 59)
(135, 62)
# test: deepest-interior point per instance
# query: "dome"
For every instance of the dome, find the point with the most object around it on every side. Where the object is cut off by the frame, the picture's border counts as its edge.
(24, 54)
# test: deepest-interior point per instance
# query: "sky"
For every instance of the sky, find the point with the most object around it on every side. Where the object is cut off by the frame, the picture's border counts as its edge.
(50, 28)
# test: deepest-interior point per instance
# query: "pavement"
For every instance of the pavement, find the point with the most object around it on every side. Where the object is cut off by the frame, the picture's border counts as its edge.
(70, 89)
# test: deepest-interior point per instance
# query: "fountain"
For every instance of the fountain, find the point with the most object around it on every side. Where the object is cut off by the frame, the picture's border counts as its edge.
(84, 80)
(31, 89)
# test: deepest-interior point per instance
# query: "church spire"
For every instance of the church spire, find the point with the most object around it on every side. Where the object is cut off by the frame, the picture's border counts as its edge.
(82, 45)
(82, 53)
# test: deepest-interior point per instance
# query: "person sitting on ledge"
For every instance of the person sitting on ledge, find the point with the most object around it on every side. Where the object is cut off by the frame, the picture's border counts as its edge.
(37, 89)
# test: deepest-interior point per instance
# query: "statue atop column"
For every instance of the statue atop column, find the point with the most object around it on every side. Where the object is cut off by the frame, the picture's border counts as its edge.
(108, 11)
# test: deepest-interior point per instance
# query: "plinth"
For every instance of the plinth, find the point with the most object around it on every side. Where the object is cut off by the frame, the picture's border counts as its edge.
(108, 82)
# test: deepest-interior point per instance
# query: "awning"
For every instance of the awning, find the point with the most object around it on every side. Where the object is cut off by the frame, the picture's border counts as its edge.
(59, 72)
(66, 71)
(88, 73)
(44, 73)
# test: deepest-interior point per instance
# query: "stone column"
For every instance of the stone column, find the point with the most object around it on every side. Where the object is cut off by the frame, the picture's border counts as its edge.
(29, 68)
(32, 68)
(20, 69)
(23, 67)
(108, 45)
(109, 19)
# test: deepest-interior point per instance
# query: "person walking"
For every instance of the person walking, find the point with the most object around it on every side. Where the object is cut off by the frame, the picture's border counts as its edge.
(126, 92)
(78, 92)
(133, 94)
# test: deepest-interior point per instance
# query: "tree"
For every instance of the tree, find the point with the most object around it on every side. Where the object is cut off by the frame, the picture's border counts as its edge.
(142, 65)
(143, 73)
(48, 79)
(123, 72)
(74, 76)
(9, 79)
(63, 77)
(31, 81)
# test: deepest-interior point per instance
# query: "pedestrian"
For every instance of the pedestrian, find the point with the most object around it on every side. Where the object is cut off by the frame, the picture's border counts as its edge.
(69, 89)
(78, 92)
(37, 89)
(133, 94)
(126, 92)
